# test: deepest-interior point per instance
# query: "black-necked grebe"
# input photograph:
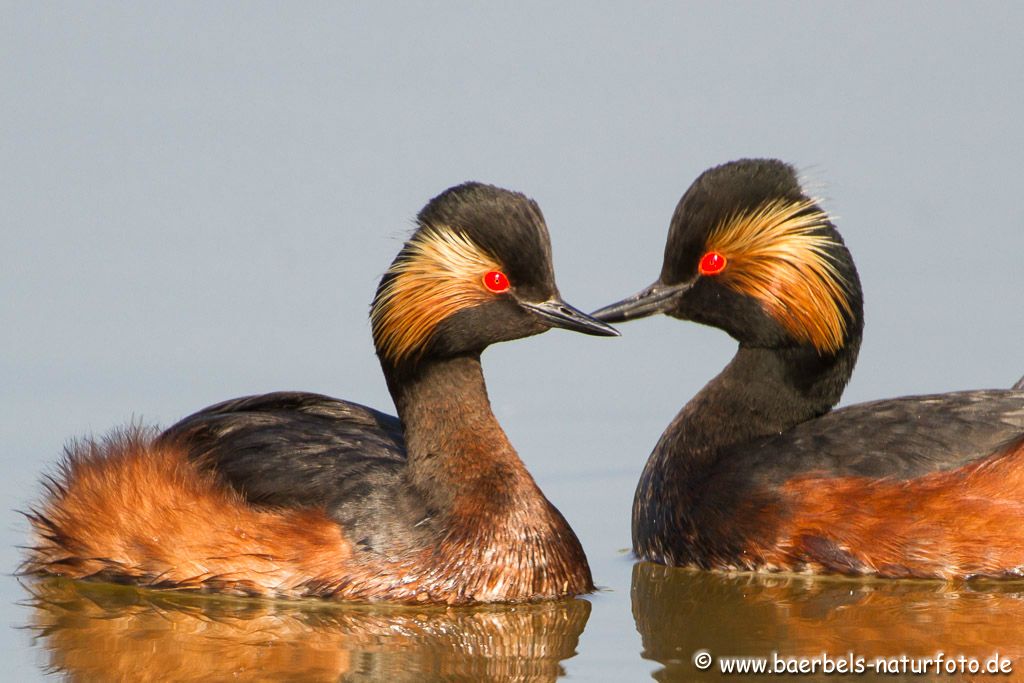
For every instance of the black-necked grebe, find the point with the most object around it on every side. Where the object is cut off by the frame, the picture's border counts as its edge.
(755, 473)
(297, 494)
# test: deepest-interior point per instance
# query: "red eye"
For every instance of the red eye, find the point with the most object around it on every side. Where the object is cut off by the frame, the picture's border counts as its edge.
(496, 281)
(712, 263)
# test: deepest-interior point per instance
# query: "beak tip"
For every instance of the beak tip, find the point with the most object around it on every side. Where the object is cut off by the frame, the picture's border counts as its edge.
(556, 313)
(607, 330)
(603, 329)
(656, 298)
(597, 328)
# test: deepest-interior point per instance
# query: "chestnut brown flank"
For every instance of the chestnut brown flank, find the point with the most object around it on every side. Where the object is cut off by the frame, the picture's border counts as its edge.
(126, 510)
(954, 524)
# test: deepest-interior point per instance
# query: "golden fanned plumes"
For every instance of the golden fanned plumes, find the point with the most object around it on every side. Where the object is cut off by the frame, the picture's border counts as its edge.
(779, 255)
(439, 274)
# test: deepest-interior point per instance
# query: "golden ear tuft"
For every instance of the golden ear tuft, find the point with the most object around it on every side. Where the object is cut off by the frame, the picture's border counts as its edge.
(439, 273)
(780, 255)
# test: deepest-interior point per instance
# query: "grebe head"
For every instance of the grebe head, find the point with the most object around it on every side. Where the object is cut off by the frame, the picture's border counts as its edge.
(750, 252)
(477, 270)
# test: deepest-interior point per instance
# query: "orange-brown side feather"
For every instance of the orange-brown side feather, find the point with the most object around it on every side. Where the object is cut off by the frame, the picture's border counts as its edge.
(125, 509)
(956, 524)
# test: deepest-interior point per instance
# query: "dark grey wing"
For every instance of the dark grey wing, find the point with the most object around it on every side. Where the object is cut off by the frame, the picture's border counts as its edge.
(900, 438)
(293, 448)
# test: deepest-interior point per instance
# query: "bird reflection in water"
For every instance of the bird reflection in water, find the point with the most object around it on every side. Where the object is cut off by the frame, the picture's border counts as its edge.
(679, 611)
(102, 632)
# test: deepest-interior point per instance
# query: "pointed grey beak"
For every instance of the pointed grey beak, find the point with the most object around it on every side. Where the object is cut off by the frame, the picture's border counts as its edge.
(557, 313)
(654, 299)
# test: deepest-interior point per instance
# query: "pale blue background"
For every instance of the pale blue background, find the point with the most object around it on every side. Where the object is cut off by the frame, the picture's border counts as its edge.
(198, 198)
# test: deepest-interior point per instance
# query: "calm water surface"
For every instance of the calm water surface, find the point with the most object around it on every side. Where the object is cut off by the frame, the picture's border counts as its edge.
(110, 633)
(99, 632)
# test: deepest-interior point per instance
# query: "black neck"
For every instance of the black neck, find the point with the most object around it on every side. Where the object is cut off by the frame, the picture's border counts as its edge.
(454, 443)
(760, 393)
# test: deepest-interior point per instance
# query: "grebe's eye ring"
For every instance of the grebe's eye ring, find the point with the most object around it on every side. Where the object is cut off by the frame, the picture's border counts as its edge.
(712, 263)
(496, 281)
